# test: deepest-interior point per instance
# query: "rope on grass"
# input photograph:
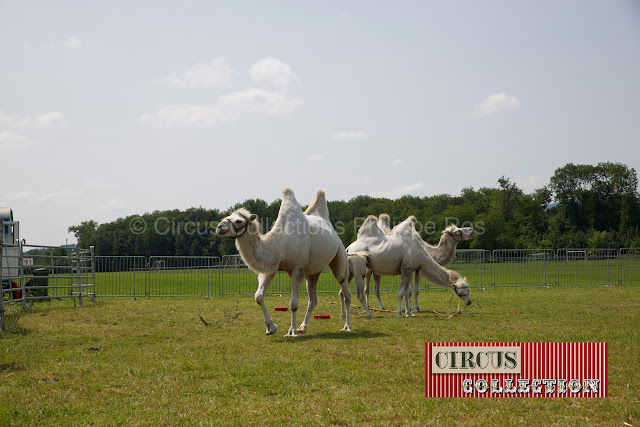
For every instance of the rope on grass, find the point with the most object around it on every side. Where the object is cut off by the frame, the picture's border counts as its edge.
(459, 312)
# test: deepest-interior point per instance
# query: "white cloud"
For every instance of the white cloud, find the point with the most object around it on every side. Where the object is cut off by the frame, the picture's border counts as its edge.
(213, 74)
(272, 71)
(52, 196)
(396, 162)
(228, 108)
(185, 114)
(419, 188)
(13, 141)
(73, 43)
(44, 120)
(314, 158)
(495, 103)
(260, 101)
(26, 45)
(350, 135)
(113, 205)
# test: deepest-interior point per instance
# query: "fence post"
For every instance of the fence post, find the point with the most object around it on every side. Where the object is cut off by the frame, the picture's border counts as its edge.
(618, 263)
(93, 271)
(78, 274)
(1, 285)
(493, 269)
(23, 285)
(147, 278)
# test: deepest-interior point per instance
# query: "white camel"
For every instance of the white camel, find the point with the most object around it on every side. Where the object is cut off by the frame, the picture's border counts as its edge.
(402, 253)
(358, 262)
(443, 254)
(302, 244)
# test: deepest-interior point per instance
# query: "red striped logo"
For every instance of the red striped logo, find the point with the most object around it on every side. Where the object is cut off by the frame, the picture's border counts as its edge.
(516, 369)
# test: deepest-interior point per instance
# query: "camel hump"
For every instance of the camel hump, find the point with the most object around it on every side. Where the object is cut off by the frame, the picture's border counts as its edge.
(287, 193)
(318, 206)
(383, 223)
(406, 226)
(370, 227)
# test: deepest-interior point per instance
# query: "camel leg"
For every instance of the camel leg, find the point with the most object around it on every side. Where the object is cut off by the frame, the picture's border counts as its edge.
(416, 289)
(360, 294)
(367, 280)
(343, 314)
(264, 280)
(376, 279)
(340, 269)
(347, 301)
(296, 281)
(312, 282)
(403, 292)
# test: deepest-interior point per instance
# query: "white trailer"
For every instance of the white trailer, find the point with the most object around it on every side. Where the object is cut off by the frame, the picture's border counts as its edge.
(10, 245)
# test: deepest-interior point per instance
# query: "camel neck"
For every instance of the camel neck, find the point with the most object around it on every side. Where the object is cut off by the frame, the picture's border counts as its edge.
(445, 251)
(257, 250)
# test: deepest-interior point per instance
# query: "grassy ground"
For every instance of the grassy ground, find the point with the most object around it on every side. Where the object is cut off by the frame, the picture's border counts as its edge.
(154, 362)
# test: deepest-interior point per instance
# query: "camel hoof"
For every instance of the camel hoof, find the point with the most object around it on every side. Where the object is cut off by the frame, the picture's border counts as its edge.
(399, 315)
(410, 315)
(292, 333)
(271, 331)
(345, 329)
(417, 310)
(302, 331)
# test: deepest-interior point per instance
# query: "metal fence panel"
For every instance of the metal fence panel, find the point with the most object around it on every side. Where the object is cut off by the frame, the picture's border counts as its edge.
(67, 272)
(472, 264)
(629, 266)
(121, 276)
(522, 267)
(585, 266)
(237, 278)
(211, 276)
(183, 276)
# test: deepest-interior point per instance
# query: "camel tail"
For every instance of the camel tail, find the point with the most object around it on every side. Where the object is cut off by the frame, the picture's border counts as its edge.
(318, 206)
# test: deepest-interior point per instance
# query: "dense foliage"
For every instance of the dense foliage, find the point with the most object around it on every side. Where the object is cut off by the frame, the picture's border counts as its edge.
(593, 206)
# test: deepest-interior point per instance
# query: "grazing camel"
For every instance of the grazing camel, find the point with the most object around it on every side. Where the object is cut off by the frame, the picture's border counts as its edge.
(443, 254)
(302, 244)
(402, 253)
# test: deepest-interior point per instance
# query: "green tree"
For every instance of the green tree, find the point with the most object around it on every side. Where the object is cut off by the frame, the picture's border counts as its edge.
(85, 233)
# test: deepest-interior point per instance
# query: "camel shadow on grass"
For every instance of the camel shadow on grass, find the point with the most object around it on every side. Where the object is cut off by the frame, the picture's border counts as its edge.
(340, 335)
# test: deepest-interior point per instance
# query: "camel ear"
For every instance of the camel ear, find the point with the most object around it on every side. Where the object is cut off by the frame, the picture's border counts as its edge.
(252, 217)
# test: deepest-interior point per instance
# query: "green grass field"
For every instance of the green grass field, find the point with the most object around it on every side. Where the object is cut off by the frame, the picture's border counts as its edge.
(154, 362)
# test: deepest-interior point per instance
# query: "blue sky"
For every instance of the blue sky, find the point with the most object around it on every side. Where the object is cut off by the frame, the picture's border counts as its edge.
(114, 108)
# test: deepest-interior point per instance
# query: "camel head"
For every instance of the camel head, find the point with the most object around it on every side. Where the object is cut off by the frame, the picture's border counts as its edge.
(459, 234)
(461, 288)
(236, 224)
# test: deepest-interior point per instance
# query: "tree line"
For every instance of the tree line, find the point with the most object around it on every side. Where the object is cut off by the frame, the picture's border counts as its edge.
(582, 206)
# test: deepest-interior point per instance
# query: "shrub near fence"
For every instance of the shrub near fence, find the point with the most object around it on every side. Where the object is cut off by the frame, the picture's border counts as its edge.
(211, 276)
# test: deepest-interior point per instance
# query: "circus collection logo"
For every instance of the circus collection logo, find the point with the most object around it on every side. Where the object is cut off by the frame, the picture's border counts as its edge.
(516, 369)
